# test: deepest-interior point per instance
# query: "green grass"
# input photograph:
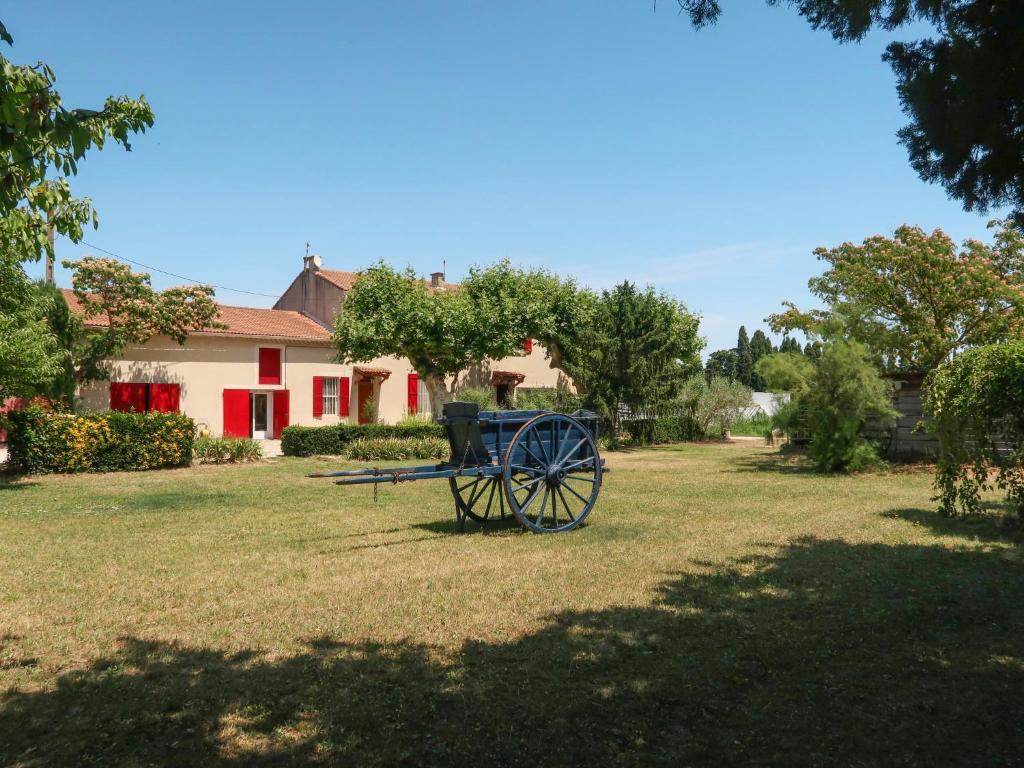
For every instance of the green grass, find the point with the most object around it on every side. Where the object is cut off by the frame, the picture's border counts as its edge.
(724, 606)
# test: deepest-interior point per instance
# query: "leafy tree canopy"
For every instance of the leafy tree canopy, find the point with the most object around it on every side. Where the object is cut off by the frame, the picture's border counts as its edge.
(960, 87)
(133, 311)
(444, 332)
(636, 354)
(41, 143)
(915, 299)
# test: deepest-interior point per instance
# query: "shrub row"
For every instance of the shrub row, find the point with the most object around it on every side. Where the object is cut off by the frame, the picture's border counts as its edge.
(41, 441)
(222, 450)
(397, 448)
(664, 429)
(333, 440)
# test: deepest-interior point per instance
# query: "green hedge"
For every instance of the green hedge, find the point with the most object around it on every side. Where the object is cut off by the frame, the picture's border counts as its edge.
(332, 440)
(665, 429)
(41, 441)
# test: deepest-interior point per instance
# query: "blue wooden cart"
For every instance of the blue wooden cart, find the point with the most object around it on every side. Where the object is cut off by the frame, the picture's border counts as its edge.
(542, 467)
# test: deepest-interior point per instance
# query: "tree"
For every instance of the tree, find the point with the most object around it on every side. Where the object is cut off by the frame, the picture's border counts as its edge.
(832, 401)
(916, 301)
(744, 359)
(760, 346)
(960, 88)
(715, 401)
(29, 353)
(645, 344)
(41, 143)
(789, 344)
(444, 332)
(721, 363)
(132, 313)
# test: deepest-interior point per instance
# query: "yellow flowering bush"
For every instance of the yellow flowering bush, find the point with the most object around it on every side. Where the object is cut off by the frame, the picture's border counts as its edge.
(41, 441)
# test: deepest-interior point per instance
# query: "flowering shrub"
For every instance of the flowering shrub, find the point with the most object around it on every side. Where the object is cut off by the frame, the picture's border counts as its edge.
(42, 441)
(333, 440)
(976, 406)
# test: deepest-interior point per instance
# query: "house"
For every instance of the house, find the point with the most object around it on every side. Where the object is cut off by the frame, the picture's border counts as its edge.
(268, 368)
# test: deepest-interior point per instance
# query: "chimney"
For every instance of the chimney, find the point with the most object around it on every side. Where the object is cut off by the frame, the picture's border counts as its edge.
(436, 279)
(312, 262)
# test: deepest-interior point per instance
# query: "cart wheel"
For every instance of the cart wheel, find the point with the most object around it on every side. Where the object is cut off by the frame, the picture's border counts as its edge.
(478, 498)
(552, 473)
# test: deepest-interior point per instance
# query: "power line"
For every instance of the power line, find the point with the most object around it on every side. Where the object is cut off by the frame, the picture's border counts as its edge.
(172, 274)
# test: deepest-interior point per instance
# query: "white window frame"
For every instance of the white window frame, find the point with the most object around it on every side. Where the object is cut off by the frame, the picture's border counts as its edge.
(331, 400)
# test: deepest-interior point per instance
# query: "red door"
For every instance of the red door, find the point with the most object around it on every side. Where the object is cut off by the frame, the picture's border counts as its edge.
(364, 396)
(237, 419)
(280, 411)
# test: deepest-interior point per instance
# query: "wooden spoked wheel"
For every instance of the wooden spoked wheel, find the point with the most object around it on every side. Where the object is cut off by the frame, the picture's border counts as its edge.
(552, 473)
(479, 498)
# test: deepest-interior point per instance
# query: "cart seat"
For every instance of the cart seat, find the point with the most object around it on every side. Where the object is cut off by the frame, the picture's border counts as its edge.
(462, 421)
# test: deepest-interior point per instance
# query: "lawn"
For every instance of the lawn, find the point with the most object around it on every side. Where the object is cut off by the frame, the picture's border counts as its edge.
(723, 606)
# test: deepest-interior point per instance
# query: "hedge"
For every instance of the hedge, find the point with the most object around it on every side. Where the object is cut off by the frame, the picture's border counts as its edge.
(332, 440)
(665, 429)
(42, 441)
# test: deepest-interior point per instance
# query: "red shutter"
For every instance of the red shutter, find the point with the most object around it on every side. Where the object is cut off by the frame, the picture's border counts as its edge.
(414, 392)
(164, 397)
(343, 395)
(237, 419)
(125, 396)
(318, 396)
(528, 346)
(270, 365)
(280, 411)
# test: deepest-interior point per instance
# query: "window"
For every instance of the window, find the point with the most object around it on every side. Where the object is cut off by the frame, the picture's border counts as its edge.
(330, 396)
(269, 365)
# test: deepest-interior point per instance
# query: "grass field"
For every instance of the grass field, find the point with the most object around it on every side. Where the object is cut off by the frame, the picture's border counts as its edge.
(724, 606)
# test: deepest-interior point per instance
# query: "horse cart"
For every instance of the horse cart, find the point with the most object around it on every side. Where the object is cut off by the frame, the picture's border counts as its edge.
(542, 467)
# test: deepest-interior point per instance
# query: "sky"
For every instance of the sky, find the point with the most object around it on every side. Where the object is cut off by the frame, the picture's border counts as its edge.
(605, 141)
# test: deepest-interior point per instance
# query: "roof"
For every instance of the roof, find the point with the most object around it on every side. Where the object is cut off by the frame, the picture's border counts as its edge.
(371, 372)
(339, 278)
(250, 322)
(345, 280)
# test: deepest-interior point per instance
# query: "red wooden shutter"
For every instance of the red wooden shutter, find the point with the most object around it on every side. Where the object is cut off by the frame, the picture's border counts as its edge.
(126, 396)
(343, 396)
(237, 419)
(318, 396)
(164, 397)
(528, 346)
(280, 411)
(270, 365)
(414, 392)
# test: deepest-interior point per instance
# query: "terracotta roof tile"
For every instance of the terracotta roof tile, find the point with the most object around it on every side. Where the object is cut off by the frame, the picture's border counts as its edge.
(337, 277)
(240, 321)
(371, 372)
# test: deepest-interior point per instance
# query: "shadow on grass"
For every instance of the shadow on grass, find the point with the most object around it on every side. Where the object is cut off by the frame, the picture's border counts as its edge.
(996, 523)
(822, 653)
(9, 481)
(789, 462)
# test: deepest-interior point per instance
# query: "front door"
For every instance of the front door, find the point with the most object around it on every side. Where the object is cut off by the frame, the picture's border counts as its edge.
(364, 401)
(260, 421)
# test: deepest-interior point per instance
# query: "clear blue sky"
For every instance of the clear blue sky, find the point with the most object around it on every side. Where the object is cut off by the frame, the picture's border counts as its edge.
(601, 140)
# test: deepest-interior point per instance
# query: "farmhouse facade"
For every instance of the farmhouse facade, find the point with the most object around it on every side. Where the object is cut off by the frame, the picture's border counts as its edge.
(269, 368)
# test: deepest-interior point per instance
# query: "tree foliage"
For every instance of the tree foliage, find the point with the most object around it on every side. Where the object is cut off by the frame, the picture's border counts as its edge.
(915, 299)
(740, 362)
(960, 87)
(831, 401)
(713, 401)
(41, 144)
(444, 332)
(132, 313)
(976, 408)
(639, 349)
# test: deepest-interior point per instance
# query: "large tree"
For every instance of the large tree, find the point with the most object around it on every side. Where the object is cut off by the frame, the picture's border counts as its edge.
(131, 313)
(915, 299)
(41, 143)
(643, 347)
(443, 332)
(959, 84)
